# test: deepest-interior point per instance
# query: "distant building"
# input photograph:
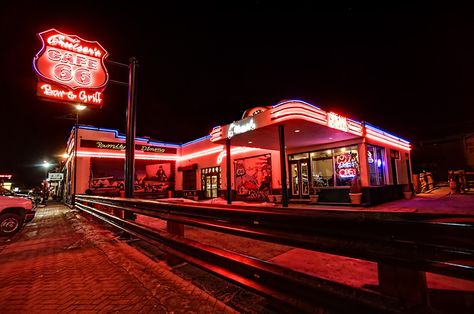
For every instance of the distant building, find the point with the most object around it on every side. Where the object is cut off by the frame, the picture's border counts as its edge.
(440, 155)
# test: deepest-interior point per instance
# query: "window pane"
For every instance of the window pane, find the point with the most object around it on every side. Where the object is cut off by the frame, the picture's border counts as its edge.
(295, 187)
(304, 178)
(323, 154)
(376, 163)
(322, 172)
(298, 156)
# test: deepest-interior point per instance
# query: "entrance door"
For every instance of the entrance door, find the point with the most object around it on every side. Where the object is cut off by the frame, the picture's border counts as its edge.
(210, 190)
(299, 174)
(210, 181)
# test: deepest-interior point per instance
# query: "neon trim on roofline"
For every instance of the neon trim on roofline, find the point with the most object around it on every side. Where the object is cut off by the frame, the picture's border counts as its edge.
(122, 156)
(385, 133)
(295, 100)
(218, 149)
(236, 151)
(216, 133)
(197, 140)
(121, 136)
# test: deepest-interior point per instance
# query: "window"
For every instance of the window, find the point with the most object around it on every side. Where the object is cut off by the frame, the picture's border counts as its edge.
(346, 164)
(322, 168)
(394, 156)
(334, 167)
(376, 163)
(189, 180)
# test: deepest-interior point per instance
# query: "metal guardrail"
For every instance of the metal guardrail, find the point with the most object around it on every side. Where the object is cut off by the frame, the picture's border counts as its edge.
(421, 242)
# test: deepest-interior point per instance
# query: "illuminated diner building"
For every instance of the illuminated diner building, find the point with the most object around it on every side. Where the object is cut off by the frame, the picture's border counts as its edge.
(293, 141)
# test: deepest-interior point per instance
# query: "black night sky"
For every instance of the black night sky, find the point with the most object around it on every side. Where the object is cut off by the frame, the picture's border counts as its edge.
(408, 70)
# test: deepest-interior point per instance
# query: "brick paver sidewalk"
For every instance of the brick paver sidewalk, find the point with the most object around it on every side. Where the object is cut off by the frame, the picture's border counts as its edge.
(62, 263)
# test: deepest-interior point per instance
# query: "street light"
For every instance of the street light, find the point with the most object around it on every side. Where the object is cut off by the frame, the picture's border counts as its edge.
(78, 108)
(44, 184)
(46, 165)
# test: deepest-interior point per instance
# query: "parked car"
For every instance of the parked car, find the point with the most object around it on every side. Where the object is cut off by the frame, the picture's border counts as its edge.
(14, 212)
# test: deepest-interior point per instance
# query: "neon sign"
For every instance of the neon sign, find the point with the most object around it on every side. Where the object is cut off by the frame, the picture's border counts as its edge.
(121, 146)
(70, 69)
(347, 165)
(239, 128)
(60, 93)
(338, 122)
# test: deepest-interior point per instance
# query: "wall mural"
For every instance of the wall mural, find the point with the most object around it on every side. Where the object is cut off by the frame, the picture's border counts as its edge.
(253, 177)
(150, 176)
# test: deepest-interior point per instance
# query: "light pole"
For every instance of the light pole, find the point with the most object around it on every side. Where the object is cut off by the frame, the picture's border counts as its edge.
(78, 108)
(45, 185)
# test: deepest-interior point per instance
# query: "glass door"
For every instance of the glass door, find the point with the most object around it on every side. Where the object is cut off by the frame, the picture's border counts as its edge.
(210, 178)
(211, 186)
(299, 177)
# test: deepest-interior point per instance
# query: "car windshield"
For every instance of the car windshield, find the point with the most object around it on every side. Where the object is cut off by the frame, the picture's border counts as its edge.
(5, 192)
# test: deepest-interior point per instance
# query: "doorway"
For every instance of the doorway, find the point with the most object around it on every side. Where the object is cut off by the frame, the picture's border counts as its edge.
(299, 176)
(210, 179)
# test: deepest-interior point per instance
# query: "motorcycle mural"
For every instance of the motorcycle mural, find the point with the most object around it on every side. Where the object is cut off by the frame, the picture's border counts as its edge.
(253, 177)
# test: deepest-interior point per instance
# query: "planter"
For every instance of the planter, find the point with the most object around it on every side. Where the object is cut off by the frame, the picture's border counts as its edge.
(407, 194)
(275, 198)
(453, 186)
(356, 198)
(313, 199)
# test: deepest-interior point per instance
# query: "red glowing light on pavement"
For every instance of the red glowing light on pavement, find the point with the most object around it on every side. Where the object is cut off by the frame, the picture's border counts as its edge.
(70, 68)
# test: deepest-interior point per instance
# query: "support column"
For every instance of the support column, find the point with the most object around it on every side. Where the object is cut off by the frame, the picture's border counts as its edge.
(228, 171)
(284, 187)
(73, 199)
(131, 127)
(364, 166)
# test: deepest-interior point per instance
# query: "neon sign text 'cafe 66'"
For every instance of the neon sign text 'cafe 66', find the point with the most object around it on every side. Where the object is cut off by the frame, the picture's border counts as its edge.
(70, 69)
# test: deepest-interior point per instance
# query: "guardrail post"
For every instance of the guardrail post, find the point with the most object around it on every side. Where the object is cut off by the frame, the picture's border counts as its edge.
(177, 229)
(408, 285)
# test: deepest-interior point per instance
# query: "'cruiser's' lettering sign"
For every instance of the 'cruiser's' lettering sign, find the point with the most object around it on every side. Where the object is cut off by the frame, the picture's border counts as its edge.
(241, 127)
(70, 69)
